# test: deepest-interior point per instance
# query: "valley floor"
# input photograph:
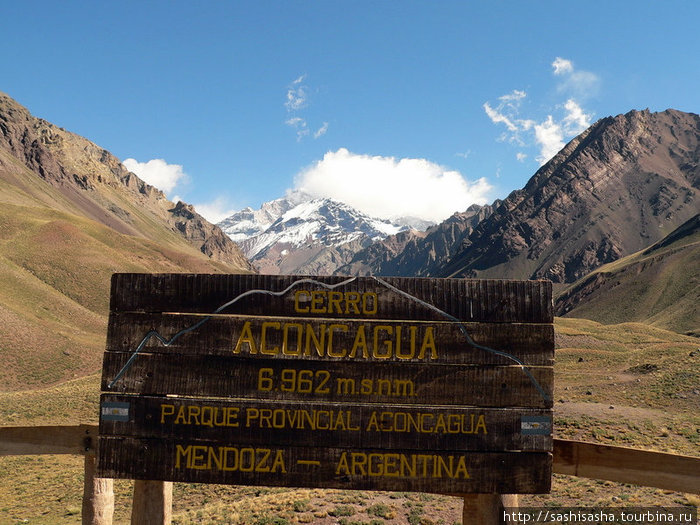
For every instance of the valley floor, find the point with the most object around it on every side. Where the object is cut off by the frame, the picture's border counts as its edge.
(629, 385)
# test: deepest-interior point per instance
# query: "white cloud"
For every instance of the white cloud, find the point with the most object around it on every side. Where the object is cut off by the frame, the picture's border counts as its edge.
(550, 133)
(497, 117)
(575, 120)
(296, 95)
(464, 154)
(216, 210)
(507, 112)
(300, 125)
(297, 100)
(549, 137)
(563, 121)
(388, 187)
(321, 131)
(514, 96)
(562, 66)
(581, 84)
(157, 172)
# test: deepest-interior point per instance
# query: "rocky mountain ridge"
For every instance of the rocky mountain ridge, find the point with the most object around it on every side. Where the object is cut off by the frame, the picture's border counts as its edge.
(618, 187)
(93, 183)
(417, 253)
(70, 216)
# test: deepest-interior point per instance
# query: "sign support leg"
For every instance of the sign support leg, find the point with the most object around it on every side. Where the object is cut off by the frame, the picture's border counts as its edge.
(487, 509)
(98, 496)
(153, 503)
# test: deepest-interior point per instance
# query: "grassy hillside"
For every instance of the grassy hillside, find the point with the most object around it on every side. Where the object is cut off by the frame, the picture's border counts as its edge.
(55, 269)
(659, 286)
(628, 384)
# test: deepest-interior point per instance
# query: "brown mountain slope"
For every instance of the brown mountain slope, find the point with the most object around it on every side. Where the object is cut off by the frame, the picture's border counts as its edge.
(621, 185)
(89, 181)
(658, 286)
(70, 216)
(417, 254)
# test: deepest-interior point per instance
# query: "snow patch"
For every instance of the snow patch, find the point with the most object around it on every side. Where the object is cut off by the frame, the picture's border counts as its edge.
(299, 220)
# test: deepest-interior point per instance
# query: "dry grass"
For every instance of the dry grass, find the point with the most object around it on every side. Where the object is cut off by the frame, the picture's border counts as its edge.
(55, 270)
(656, 410)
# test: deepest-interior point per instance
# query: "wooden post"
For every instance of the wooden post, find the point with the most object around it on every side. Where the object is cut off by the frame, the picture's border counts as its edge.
(153, 503)
(487, 509)
(98, 496)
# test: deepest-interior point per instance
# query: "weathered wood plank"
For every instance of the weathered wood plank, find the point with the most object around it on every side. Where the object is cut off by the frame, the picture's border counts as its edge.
(357, 357)
(216, 462)
(153, 503)
(304, 338)
(76, 439)
(466, 300)
(364, 382)
(333, 424)
(575, 458)
(627, 465)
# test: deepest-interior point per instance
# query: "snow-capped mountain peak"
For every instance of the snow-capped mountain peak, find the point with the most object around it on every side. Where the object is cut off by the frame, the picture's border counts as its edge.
(248, 222)
(299, 223)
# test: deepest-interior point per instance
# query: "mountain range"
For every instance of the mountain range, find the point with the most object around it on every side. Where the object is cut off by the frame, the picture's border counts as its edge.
(617, 188)
(70, 215)
(611, 219)
(623, 188)
(300, 234)
(417, 253)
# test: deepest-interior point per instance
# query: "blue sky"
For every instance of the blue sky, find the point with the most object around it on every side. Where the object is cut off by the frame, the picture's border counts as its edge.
(392, 106)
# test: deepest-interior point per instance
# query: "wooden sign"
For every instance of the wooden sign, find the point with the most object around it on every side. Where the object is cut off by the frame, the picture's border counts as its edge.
(432, 385)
